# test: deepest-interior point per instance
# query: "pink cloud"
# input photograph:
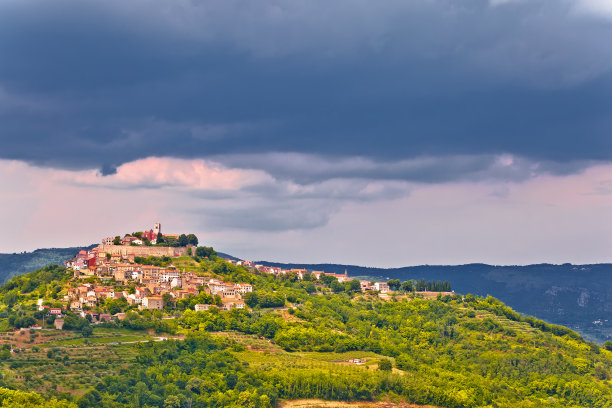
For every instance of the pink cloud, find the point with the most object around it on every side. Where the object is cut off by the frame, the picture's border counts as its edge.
(155, 172)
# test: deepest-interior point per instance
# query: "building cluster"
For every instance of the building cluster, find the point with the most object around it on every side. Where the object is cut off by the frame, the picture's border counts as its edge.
(151, 286)
(149, 291)
(146, 236)
(366, 285)
(117, 264)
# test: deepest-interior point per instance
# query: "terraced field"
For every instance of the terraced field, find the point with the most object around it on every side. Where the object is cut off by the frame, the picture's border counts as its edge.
(60, 362)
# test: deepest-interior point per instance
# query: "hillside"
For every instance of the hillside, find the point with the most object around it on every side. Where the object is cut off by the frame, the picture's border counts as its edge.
(24, 262)
(576, 296)
(298, 339)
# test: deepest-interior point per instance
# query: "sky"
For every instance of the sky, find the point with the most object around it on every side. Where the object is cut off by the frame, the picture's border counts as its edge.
(379, 133)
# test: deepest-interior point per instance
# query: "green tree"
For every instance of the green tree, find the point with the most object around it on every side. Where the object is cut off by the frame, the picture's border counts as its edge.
(87, 331)
(205, 252)
(194, 384)
(336, 286)
(168, 299)
(172, 401)
(251, 299)
(394, 284)
(192, 239)
(385, 365)
(10, 299)
(327, 279)
(182, 240)
(406, 286)
(600, 372)
(353, 286)
(114, 306)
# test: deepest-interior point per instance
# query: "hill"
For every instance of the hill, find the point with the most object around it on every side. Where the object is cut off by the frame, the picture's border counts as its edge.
(299, 340)
(24, 262)
(576, 296)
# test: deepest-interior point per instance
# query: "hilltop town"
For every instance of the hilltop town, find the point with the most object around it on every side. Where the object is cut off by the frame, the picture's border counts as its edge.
(143, 270)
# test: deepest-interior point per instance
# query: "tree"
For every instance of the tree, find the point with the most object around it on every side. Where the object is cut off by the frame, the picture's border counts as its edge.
(394, 284)
(385, 365)
(167, 298)
(10, 299)
(231, 380)
(264, 402)
(87, 331)
(250, 299)
(172, 402)
(114, 306)
(336, 286)
(182, 240)
(309, 287)
(205, 252)
(117, 240)
(91, 399)
(327, 279)
(353, 286)
(192, 240)
(406, 286)
(194, 384)
(600, 372)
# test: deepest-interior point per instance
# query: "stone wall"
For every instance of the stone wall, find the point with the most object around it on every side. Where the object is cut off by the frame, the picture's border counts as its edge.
(143, 251)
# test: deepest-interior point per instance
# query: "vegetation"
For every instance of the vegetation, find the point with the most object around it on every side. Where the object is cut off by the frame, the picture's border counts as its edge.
(299, 339)
(181, 241)
(19, 399)
(554, 293)
(446, 352)
(419, 285)
(20, 263)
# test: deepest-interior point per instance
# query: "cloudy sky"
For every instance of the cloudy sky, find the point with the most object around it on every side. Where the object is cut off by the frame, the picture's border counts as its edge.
(382, 133)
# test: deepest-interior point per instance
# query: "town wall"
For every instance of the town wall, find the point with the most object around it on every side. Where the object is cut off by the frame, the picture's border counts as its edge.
(143, 251)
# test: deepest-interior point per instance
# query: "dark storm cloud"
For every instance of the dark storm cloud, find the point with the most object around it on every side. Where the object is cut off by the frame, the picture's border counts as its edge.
(97, 84)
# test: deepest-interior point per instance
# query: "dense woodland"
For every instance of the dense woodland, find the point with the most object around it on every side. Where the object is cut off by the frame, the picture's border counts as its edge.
(446, 351)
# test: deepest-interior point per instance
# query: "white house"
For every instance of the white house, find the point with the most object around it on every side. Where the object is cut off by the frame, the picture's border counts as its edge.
(382, 287)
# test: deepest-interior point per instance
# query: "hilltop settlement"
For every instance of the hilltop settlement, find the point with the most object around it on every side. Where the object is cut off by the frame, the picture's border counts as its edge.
(143, 269)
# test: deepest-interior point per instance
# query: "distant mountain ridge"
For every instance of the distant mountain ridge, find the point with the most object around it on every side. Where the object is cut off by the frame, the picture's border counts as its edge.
(576, 296)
